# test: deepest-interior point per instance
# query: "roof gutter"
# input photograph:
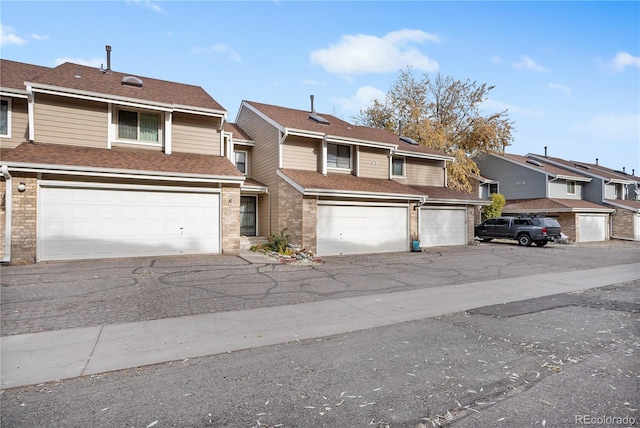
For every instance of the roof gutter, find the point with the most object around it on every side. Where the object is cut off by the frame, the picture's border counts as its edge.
(108, 172)
(8, 214)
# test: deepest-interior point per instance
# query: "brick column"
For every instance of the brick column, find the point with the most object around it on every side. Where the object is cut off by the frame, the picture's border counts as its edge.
(230, 221)
(24, 220)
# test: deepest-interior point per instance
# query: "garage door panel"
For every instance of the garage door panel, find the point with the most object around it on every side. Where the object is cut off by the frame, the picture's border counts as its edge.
(361, 229)
(443, 226)
(77, 223)
(592, 228)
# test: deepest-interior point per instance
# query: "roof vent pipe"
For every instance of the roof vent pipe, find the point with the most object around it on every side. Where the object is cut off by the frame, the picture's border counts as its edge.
(313, 110)
(624, 169)
(596, 161)
(545, 152)
(108, 48)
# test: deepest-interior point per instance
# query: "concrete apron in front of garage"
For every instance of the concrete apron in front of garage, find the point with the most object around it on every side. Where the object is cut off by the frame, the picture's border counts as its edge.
(41, 357)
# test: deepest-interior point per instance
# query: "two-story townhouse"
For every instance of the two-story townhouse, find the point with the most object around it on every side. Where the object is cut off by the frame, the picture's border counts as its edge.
(101, 164)
(531, 187)
(338, 188)
(613, 188)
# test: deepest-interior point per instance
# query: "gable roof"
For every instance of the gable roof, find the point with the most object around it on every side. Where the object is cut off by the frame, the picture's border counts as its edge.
(292, 120)
(547, 169)
(553, 205)
(588, 169)
(79, 80)
(38, 157)
(13, 74)
(237, 132)
(346, 185)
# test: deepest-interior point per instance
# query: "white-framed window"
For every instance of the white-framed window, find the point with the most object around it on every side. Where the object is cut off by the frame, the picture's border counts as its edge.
(493, 188)
(138, 126)
(397, 167)
(5, 118)
(338, 156)
(571, 187)
(241, 161)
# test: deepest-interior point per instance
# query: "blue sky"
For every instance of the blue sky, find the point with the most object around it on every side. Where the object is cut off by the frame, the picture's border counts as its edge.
(568, 72)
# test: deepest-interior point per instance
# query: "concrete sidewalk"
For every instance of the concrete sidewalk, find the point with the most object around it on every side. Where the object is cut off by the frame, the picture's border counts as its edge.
(41, 357)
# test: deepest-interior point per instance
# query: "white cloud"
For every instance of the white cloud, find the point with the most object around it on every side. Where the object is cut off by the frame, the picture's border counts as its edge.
(148, 4)
(361, 53)
(39, 37)
(363, 98)
(8, 37)
(496, 59)
(527, 63)
(612, 127)
(93, 62)
(219, 48)
(559, 87)
(623, 60)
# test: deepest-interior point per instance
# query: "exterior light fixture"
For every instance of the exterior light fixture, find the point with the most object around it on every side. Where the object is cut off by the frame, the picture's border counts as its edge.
(22, 187)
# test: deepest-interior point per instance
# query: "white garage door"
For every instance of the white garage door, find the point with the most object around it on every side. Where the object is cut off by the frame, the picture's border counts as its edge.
(84, 223)
(358, 229)
(636, 227)
(592, 227)
(443, 226)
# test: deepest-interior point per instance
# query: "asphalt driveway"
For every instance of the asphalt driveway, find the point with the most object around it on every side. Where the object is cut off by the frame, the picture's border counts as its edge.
(66, 295)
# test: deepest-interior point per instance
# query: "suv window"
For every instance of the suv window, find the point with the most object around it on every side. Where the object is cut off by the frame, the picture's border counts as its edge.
(490, 222)
(551, 222)
(502, 222)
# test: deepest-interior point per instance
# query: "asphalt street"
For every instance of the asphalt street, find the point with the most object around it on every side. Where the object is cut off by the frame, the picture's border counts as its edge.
(562, 360)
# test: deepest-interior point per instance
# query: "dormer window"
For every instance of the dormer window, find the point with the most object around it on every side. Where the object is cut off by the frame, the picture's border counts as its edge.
(241, 161)
(138, 126)
(338, 156)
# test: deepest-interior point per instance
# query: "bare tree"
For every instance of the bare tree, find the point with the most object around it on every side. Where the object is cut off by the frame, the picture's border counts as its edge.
(443, 113)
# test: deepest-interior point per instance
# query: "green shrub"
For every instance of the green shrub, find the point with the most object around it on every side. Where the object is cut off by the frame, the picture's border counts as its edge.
(497, 204)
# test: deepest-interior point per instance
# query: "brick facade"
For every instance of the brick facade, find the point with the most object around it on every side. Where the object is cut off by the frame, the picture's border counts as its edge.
(230, 221)
(290, 214)
(568, 225)
(24, 219)
(622, 224)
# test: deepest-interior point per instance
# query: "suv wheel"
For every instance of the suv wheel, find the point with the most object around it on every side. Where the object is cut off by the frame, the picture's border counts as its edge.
(524, 240)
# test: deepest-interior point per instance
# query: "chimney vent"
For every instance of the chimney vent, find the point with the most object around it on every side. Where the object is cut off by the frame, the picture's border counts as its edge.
(313, 110)
(545, 152)
(108, 48)
(596, 161)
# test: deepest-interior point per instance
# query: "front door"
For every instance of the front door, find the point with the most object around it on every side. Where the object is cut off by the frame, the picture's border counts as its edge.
(248, 206)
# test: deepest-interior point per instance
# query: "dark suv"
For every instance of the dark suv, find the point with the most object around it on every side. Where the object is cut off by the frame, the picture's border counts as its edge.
(526, 230)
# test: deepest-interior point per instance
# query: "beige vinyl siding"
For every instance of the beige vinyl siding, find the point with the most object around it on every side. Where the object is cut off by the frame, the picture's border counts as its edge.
(194, 134)
(422, 172)
(264, 159)
(69, 121)
(19, 124)
(374, 163)
(300, 155)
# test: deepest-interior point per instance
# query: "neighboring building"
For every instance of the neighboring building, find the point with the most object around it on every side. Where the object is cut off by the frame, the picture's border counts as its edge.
(337, 188)
(618, 190)
(532, 187)
(98, 164)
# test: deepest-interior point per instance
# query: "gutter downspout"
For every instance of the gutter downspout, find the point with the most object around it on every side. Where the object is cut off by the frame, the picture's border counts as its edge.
(7, 212)
(31, 114)
(446, 180)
